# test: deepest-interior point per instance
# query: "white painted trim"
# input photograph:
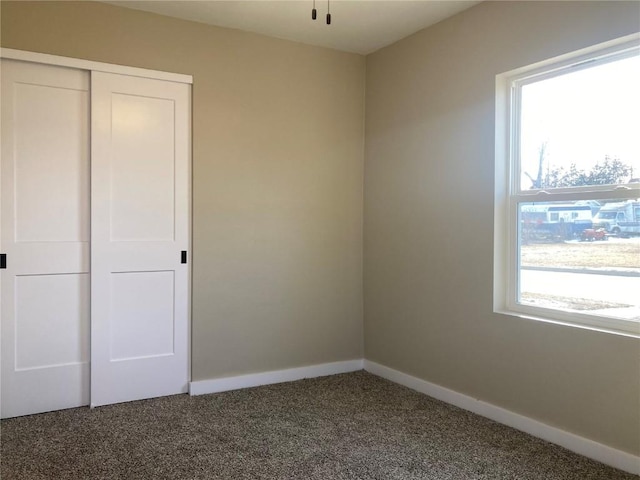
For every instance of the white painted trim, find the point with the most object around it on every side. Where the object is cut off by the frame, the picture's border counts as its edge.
(277, 376)
(81, 64)
(583, 446)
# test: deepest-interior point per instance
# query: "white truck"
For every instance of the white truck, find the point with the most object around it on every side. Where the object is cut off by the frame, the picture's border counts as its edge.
(619, 218)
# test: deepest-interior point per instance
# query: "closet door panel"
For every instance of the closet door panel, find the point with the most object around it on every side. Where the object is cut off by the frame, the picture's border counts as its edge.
(51, 132)
(61, 312)
(140, 225)
(45, 234)
(142, 307)
(142, 169)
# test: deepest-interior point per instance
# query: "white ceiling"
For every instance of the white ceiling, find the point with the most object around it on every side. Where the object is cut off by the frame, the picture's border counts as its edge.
(359, 26)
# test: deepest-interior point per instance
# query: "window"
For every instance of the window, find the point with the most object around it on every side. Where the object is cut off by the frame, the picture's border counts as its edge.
(567, 232)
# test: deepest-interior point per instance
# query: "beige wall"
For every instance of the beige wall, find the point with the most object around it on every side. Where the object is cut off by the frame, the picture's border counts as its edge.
(277, 177)
(429, 224)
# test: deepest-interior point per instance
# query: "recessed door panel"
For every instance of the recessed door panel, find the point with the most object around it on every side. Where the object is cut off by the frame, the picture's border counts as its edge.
(142, 168)
(52, 320)
(142, 307)
(50, 162)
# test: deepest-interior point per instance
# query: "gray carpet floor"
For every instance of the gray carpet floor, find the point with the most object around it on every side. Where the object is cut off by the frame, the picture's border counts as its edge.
(352, 426)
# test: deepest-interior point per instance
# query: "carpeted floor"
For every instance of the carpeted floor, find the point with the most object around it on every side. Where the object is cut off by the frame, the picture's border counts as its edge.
(352, 426)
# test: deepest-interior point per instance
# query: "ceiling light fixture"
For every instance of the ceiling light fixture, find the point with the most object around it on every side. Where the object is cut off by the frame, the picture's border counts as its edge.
(314, 12)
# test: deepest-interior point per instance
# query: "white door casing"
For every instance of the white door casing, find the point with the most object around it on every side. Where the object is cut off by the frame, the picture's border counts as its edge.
(140, 180)
(45, 233)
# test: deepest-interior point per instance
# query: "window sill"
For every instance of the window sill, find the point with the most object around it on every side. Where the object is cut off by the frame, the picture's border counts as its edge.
(569, 319)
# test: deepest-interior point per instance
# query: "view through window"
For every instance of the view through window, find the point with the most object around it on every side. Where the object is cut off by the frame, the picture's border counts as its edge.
(582, 256)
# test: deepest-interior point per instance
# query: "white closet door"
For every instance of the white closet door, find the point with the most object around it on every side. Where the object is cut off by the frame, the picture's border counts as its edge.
(45, 234)
(139, 226)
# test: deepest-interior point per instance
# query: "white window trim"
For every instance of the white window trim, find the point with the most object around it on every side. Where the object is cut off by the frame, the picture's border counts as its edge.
(508, 192)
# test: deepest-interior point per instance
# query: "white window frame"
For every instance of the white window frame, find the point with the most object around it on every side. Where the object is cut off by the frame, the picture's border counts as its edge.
(508, 191)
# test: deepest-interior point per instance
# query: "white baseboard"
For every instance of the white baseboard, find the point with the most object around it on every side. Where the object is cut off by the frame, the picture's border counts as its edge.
(602, 453)
(277, 376)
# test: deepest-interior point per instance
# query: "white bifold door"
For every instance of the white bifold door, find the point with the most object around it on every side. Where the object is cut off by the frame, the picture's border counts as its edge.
(95, 232)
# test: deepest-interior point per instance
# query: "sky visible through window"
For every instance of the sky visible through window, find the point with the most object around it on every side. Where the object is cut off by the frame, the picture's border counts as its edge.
(582, 117)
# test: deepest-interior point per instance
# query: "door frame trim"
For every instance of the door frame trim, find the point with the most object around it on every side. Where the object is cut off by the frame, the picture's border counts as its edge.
(81, 64)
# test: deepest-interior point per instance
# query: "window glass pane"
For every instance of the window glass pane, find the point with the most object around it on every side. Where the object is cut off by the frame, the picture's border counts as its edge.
(580, 257)
(581, 128)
